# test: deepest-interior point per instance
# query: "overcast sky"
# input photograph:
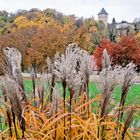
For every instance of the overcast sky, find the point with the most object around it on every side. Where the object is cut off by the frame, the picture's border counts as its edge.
(120, 9)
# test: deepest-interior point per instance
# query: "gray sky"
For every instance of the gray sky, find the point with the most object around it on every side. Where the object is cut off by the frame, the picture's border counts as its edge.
(120, 9)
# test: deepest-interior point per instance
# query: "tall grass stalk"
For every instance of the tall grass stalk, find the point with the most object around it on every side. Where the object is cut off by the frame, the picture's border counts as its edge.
(128, 121)
(127, 79)
(14, 85)
(51, 74)
(70, 116)
(64, 66)
(107, 83)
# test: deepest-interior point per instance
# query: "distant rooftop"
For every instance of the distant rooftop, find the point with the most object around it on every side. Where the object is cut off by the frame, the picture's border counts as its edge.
(103, 11)
(136, 20)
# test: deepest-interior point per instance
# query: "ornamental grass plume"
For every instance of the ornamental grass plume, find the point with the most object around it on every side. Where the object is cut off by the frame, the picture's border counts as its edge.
(86, 65)
(55, 102)
(14, 87)
(74, 84)
(12, 92)
(107, 83)
(51, 75)
(66, 63)
(7, 108)
(54, 106)
(72, 116)
(108, 80)
(128, 121)
(127, 75)
(64, 66)
(106, 62)
(13, 60)
(39, 95)
(11, 66)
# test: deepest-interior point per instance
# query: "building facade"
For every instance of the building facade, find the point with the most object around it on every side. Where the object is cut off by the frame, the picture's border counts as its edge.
(103, 16)
(119, 28)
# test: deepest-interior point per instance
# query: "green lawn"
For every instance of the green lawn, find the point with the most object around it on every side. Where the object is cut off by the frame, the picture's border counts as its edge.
(132, 98)
(133, 93)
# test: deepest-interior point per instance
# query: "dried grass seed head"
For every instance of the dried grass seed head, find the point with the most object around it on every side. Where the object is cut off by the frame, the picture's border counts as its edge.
(13, 58)
(65, 63)
(86, 65)
(14, 96)
(55, 102)
(106, 62)
(127, 75)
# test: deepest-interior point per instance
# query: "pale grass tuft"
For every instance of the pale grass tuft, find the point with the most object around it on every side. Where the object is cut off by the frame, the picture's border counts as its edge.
(13, 62)
(127, 79)
(66, 63)
(55, 102)
(86, 65)
(12, 67)
(12, 90)
(60, 118)
(106, 62)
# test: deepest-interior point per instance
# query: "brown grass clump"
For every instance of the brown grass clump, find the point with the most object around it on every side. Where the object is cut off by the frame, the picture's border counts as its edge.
(48, 115)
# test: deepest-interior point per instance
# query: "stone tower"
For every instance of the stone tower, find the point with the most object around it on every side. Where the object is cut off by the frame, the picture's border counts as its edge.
(103, 16)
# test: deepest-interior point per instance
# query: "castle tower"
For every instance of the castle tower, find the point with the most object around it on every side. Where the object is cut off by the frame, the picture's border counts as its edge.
(103, 16)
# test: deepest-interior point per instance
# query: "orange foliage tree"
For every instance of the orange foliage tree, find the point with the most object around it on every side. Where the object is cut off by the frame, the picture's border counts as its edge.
(38, 34)
(37, 43)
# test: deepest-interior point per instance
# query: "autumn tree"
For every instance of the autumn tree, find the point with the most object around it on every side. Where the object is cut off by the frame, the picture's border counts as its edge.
(130, 50)
(122, 53)
(37, 41)
(38, 34)
(137, 36)
(105, 44)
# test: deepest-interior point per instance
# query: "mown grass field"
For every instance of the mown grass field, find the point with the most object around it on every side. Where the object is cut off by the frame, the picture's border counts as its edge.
(132, 98)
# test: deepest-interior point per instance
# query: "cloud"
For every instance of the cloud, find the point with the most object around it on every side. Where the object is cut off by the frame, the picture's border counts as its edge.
(120, 9)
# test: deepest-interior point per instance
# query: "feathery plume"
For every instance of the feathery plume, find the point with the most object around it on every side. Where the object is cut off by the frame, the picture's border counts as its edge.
(127, 76)
(65, 63)
(86, 65)
(12, 67)
(55, 102)
(64, 66)
(51, 76)
(106, 62)
(12, 90)
(107, 83)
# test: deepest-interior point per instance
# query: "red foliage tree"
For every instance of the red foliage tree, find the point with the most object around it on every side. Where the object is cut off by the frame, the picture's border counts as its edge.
(105, 44)
(130, 51)
(121, 53)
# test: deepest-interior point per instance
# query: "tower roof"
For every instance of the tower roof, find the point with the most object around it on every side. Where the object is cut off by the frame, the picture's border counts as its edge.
(113, 20)
(103, 11)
